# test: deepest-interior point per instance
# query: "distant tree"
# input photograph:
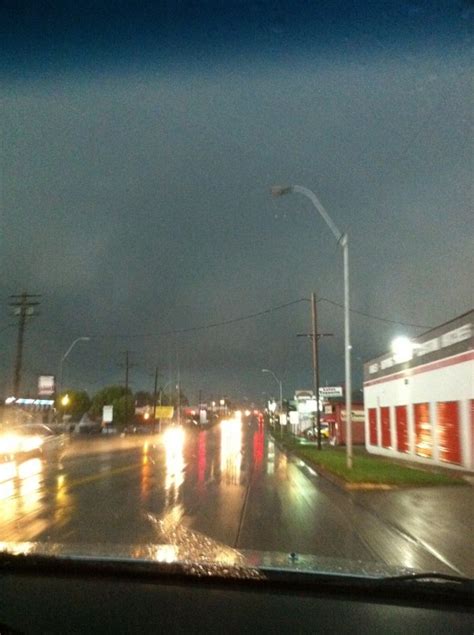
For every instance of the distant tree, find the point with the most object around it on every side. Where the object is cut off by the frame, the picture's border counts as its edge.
(124, 409)
(108, 396)
(78, 403)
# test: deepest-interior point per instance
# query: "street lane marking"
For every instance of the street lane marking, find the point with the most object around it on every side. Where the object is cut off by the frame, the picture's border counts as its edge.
(100, 475)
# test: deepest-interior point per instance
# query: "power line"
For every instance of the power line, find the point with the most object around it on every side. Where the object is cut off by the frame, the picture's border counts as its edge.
(237, 319)
(250, 316)
(201, 327)
(376, 317)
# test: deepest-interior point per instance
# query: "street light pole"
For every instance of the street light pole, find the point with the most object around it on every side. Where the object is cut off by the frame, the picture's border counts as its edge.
(348, 347)
(60, 373)
(280, 385)
(343, 241)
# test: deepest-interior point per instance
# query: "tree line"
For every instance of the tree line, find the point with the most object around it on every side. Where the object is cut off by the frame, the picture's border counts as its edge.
(77, 403)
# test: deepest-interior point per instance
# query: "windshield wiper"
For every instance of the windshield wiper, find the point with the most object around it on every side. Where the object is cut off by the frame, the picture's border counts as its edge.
(429, 576)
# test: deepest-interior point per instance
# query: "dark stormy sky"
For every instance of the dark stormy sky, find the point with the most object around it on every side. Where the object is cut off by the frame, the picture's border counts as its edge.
(139, 143)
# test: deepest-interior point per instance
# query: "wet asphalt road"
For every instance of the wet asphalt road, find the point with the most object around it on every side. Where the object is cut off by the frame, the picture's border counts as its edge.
(232, 484)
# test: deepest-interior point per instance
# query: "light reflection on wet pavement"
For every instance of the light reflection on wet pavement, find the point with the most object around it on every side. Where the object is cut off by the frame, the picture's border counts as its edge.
(212, 492)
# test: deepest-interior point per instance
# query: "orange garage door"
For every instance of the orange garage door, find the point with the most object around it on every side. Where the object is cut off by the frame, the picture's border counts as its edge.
(385, 420)
(373, 426)
(448, 431)
(423, 436)
(402, 428)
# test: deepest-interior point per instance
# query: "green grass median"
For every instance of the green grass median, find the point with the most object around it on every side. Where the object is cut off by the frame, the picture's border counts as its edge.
(367, 468)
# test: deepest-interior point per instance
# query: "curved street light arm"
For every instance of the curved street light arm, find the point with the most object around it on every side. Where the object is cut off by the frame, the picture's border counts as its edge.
(339, 236)
(78, 339)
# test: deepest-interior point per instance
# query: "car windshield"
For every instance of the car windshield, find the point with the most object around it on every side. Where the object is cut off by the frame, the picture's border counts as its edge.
(237, 283)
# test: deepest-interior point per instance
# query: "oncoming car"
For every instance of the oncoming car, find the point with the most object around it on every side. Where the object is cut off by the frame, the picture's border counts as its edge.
(30, 440)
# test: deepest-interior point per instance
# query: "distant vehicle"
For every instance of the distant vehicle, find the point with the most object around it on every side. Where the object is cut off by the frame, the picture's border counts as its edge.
(88, 426)
(312, 433)
(30, 440)
(144, 428)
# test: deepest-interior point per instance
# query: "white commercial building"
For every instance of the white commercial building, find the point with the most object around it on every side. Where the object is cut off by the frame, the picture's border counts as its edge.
(419, 399)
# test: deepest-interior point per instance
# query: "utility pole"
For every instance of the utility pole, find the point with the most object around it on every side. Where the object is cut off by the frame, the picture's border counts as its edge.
(127, 366)
(127, 362)
(178, 386)
(23, 307)
(314, 335)
(315, 350)
(155, 390)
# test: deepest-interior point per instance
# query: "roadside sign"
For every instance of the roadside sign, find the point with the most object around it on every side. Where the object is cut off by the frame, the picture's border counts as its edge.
(164, 412)
(202, 416)
(303, 395)
(357, 415)
(283, 419)
(308, 406)
(107, 414)
(294, 417)
(330, 391)
(46, 385)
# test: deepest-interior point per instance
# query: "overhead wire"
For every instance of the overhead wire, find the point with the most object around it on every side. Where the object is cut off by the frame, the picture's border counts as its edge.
(249, 316)
(376, 317)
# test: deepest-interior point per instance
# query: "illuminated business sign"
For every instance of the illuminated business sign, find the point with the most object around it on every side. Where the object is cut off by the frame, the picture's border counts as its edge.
(46, 385)
(302, 395)
(23, 401)
(330, 391)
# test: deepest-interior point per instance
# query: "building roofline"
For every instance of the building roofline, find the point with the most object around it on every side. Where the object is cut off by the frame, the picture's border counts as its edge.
(457, 317)
(433, 328)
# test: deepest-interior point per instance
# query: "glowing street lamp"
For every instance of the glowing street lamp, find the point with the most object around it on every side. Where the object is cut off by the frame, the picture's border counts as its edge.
(65, 400)
(402, 349)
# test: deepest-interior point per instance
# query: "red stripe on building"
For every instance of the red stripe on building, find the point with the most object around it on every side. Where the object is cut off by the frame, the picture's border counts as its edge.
(442, 363)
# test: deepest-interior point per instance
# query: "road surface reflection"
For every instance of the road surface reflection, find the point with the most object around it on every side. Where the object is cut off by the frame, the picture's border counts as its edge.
(173, 440)
(231, 450)
(20, 491)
